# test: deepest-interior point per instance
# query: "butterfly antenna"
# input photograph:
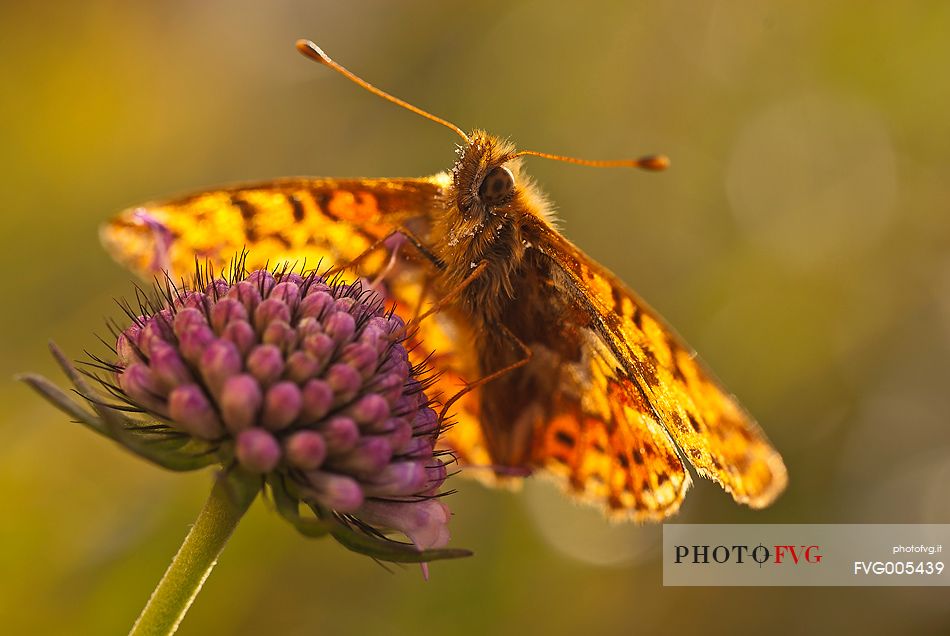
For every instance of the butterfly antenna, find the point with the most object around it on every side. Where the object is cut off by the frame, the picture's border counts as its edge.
(314, 52)
(649, 162)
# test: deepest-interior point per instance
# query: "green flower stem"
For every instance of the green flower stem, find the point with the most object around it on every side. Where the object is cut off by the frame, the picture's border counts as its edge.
(229, 500)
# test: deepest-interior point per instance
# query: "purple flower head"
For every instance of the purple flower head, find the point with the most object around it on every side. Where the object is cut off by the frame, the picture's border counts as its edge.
(299, 379)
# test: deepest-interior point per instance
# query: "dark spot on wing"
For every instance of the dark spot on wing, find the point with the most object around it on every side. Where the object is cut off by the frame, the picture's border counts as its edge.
(694, 422)
(248, 212)
(323, 200)
(678, 422)
(646, 371)
(677, 372)
(565, 438)
(297, 207)
(560, 459)
(617, 298)
(637, 317)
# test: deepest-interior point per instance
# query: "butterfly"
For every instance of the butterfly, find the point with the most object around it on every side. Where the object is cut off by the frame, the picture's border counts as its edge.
(550, 363)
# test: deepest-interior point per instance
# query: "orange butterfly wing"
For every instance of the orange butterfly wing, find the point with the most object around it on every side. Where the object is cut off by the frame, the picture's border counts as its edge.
(335, 220)
(662, 375)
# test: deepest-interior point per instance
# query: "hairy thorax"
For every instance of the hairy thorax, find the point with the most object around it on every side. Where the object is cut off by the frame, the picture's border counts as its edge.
(484, 259)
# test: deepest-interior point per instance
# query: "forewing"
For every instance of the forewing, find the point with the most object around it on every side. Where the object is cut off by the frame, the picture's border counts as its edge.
(332, 220)
(716, 435)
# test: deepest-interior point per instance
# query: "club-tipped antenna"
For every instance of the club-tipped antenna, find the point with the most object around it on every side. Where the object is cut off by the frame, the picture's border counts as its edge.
(649, 162)
(315, 53)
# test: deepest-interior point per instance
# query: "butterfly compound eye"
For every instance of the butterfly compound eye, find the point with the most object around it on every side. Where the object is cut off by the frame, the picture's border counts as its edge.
(497, 185)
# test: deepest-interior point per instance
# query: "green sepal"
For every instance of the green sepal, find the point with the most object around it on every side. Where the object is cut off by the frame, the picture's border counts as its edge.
(114, 421)
(177, 453)
(241, 486)
(61, 400)
(288, 507)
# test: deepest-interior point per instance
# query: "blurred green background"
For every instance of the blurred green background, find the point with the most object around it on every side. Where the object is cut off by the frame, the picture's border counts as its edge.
(799, 242)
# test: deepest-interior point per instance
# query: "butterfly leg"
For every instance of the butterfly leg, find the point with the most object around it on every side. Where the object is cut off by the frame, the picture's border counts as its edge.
(454, 294)
(444, 301)
(423, 294)
(388, 267)
(381, 242)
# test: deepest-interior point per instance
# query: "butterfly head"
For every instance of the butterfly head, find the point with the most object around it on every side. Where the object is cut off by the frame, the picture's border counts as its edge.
(486, 178)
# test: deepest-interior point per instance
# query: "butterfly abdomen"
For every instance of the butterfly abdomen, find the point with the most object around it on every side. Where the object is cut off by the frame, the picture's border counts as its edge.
(515, 405)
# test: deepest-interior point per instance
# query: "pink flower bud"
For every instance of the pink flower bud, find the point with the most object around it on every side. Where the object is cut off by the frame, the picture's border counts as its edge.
(265, 363)
(257, 450)
(219, 361)
(337, 492)
(305, 449)
(282, 404)
(191, 410)
(240, 400)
